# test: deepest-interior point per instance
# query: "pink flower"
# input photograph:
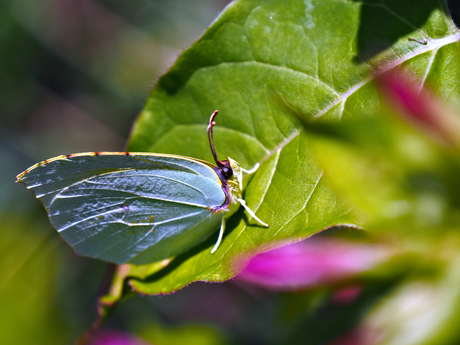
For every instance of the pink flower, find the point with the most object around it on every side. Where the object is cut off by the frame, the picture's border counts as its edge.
(412, 100)
(317, 261)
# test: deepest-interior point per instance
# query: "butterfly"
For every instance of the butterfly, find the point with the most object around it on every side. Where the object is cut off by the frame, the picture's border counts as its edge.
(139, 208)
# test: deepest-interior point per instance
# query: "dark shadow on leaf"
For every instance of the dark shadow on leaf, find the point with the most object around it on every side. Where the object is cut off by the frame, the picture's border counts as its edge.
(454, 10)
(382, 23)
(205, 246)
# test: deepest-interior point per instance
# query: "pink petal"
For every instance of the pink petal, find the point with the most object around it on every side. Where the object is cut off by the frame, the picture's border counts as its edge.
(419, 106)
(311, 263)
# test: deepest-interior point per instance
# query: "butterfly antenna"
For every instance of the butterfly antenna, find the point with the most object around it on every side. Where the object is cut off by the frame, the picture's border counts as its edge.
(212, 123)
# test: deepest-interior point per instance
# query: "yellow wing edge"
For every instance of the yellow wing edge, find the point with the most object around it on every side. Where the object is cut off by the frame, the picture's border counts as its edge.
(106, 153)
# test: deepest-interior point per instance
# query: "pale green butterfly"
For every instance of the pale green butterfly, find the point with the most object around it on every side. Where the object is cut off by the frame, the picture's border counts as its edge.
(126, 207)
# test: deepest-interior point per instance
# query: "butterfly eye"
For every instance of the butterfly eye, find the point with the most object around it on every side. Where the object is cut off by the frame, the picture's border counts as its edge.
(225, 169)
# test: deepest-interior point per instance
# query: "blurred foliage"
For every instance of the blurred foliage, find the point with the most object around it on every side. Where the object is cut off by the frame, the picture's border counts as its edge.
(74, 76)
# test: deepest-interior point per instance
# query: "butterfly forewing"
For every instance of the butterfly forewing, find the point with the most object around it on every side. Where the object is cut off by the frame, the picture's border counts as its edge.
(135, 208)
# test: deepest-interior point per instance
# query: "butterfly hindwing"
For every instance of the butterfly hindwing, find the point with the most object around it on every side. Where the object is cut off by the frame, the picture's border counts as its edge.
(136, 208)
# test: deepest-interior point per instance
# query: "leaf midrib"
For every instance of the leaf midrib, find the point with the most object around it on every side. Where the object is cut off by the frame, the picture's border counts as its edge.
(432, 45)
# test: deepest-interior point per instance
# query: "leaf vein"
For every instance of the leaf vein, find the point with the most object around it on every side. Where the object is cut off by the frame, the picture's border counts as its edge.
(434, 45)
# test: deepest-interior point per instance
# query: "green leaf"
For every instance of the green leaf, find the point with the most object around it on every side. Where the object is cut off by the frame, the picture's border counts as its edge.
(288, 192)
(265, 65)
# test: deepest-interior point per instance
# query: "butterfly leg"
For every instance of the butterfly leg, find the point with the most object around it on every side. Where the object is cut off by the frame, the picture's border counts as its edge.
(221, 233)
(251, 171)
(253, 215)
